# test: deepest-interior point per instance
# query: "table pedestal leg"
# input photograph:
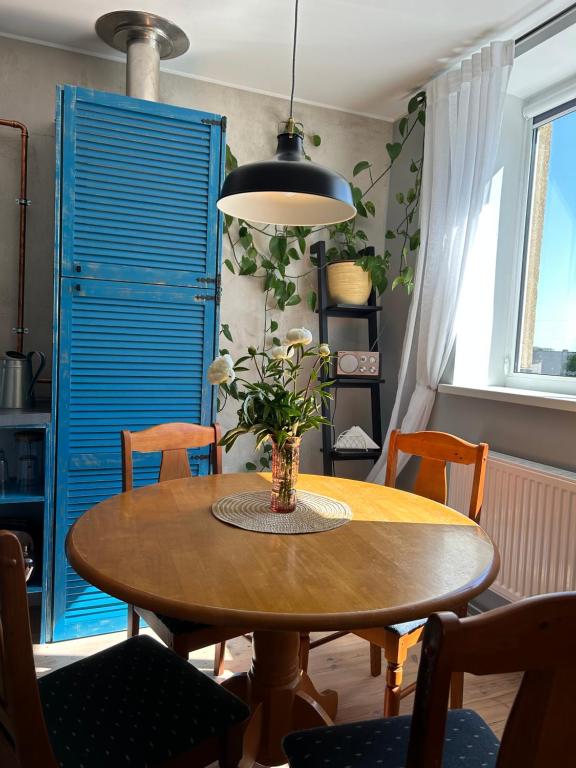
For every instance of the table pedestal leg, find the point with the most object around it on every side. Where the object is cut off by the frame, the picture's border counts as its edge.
(281, 697)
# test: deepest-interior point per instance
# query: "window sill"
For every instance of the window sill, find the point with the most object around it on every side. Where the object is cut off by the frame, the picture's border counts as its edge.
(519, 396)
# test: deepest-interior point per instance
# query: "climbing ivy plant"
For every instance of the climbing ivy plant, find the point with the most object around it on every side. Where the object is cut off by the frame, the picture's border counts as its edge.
(270, 252)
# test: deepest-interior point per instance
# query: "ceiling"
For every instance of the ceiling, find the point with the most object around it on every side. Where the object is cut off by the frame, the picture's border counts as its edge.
(360, 56)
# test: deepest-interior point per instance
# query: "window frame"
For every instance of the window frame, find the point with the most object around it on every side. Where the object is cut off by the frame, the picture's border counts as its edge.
(562, 385)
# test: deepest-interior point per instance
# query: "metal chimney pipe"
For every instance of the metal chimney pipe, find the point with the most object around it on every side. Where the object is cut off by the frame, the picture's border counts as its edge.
(146, 39)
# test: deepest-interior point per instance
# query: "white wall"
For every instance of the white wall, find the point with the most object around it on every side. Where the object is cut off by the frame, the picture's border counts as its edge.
(28, 78)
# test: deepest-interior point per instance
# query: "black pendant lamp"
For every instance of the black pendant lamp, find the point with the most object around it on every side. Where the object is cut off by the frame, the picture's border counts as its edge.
(287, 190)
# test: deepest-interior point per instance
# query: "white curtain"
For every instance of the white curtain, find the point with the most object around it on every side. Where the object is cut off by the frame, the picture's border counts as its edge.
(463, 119)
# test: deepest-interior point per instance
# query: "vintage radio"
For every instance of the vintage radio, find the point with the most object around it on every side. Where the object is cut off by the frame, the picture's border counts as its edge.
(364, 365)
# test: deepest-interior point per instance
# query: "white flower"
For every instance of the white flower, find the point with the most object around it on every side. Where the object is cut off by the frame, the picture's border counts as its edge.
(221, 371)
(296, 336)
(282, 352)
(324, 350)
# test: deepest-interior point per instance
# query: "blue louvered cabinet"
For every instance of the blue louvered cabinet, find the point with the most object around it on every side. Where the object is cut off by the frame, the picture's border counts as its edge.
(137, 243)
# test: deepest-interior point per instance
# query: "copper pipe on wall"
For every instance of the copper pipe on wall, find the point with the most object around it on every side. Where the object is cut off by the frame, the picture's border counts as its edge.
(23, 202)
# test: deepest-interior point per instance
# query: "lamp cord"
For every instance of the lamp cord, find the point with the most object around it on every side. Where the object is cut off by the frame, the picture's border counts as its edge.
(294, 55)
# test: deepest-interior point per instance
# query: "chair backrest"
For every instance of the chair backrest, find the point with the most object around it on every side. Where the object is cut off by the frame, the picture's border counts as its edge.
(536, 636)
(435, 450)
(173, 440)
(24, 741)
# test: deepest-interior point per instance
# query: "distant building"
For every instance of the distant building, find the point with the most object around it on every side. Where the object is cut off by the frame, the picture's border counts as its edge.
(550, 362)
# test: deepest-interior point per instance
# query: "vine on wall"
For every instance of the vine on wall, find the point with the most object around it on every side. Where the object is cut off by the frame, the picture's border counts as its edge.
(270, 252)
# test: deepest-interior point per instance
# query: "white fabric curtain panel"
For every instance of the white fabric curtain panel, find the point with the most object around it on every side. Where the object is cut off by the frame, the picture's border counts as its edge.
(463, 120)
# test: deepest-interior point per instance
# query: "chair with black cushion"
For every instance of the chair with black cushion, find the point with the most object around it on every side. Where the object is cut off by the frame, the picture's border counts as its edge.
(174, 441)
(536, 636)
(135, 704)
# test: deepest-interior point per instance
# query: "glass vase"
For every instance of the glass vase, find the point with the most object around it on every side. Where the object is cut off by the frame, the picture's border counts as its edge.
(285, 461)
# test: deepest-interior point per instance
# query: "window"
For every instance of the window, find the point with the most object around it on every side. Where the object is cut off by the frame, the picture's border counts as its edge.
(545, 354)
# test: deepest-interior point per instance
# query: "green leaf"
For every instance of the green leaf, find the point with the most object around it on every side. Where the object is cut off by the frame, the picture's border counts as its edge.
(247, 266)
(413, 104)
(293, 254)
(356, 194)
(413, 167)
(315, 139)
(402, 125)
(250, 467)
(422, 117)
(370, 207)
(360, 208)
(277, 247)
(411, 195)
(226, 331)
(415, 240)
(312, 299)
(400, 198)
(390, 235)
(295, 299)
(273, 326)
(231, 162)
(302, 245)
(229, 265)
(394, 150)
(361, 166)
(243, 231)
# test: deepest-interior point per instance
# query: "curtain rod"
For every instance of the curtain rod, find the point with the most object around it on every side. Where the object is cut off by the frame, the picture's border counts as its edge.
(547, 29)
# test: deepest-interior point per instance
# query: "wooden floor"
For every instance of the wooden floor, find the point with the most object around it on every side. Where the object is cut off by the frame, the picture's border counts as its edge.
(342, 665)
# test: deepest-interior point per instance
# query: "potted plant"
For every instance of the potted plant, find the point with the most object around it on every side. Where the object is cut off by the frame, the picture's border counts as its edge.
(281, 404)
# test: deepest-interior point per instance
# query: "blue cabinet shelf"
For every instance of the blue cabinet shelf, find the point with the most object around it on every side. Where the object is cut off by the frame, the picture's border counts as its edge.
(30, 511)
(13, 495)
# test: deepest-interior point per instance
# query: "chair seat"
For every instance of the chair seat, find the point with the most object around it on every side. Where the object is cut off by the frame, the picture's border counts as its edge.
(469, 743)
(405, 627)
(134, 704)
(179, 626)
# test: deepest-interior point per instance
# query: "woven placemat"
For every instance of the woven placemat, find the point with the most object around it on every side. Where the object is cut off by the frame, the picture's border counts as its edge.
(251, 511)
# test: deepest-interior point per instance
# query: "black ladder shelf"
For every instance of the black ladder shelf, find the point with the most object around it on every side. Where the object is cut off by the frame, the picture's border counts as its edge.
(368, 311)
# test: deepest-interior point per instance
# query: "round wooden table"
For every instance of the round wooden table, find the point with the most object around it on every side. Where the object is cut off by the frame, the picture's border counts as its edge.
(400, 558)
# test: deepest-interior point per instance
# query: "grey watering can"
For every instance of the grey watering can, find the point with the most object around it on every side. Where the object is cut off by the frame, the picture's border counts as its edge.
(17, 379)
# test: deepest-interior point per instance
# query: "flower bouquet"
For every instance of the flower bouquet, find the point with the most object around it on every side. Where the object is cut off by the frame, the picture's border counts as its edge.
(281, 404)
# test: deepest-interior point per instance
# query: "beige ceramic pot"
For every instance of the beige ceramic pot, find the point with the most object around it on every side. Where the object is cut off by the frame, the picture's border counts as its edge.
(348, 283)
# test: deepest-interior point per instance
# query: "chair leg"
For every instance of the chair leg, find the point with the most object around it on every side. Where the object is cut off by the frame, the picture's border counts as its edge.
(394, 674)
(457, 678)
(133, 622)
(219, 652)
(457, 690)
(375, 660)
(304, 650)
(231, 746)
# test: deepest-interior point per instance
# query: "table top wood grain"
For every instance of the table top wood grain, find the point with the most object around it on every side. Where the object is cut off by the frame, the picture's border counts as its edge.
(400, 558)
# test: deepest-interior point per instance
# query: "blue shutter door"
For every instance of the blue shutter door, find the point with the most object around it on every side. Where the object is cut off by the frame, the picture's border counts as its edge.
(141, 181)
(133, 341)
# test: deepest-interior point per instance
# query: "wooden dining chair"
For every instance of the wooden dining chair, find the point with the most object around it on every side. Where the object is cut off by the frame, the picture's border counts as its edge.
(174, 441)
(436, 450)
(536, 636)
(135, 703)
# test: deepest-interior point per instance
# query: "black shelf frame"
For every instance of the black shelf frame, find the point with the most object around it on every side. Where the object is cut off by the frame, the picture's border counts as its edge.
(369, 312)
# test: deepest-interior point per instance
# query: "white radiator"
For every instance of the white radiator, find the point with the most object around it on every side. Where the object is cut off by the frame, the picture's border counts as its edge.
(529, 511)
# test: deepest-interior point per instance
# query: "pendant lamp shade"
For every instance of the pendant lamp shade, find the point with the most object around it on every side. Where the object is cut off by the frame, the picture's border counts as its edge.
(287, 190)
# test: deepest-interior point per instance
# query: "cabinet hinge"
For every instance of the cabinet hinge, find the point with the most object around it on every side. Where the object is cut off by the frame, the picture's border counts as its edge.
(204, 297)
(218, 121)
(218, 288)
